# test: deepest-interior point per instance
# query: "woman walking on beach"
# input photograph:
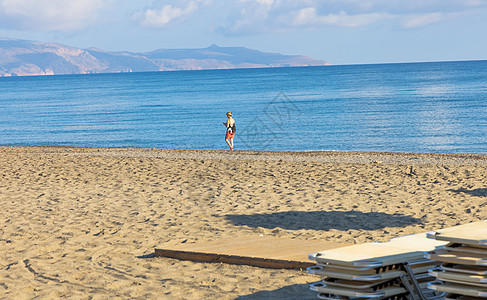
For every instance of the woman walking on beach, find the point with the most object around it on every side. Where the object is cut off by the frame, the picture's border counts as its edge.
(230, 124)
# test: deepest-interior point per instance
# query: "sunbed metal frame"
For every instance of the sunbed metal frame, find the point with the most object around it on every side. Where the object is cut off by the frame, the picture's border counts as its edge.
(416, 292)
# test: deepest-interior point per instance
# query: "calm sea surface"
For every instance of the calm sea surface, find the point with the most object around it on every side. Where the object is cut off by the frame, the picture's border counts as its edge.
(420, 107)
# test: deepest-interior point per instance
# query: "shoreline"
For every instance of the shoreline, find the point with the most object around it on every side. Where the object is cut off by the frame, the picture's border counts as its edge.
(84, 222)
(319, 156)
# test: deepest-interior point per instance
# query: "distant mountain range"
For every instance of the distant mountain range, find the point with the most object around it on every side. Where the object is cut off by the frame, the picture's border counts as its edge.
(22, 58)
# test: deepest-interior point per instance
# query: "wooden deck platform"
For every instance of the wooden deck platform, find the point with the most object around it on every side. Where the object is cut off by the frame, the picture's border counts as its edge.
(259, 251)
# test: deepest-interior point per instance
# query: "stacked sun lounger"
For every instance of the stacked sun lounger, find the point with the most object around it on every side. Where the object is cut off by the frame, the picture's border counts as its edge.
(393, 270)
(463, 269)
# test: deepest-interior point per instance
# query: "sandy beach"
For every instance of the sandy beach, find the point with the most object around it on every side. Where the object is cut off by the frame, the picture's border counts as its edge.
(83, 223)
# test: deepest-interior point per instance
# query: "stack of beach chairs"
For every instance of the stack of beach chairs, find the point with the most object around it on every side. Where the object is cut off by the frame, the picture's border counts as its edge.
(392, 270)
(463, 269)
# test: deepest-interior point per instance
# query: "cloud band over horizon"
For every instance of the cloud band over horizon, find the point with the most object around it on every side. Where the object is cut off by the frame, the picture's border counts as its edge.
(242, 17)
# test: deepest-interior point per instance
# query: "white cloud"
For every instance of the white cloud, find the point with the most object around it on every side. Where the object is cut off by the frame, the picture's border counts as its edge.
(56, 15)
(309, 17)
(162, 15)
(251, 16)
(421, 20)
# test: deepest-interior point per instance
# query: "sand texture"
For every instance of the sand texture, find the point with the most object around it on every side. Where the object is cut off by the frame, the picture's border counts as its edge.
(83, 223)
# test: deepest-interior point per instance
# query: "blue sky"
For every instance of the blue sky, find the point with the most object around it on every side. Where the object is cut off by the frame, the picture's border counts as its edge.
(338, 31)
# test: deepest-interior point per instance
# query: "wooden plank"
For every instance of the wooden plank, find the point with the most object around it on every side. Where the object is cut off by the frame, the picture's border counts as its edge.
(230, 259)
(473, 234)
(260, 251)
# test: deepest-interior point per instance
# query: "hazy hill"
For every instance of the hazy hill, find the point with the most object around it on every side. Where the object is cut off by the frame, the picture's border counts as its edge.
(20, 58)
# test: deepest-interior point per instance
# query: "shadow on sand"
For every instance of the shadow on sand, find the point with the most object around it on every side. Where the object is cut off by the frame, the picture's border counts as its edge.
(323, 220)
(475, 192)
(295, 291)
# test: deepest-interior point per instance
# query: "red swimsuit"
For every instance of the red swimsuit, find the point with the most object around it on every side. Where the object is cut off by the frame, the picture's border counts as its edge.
(230, 134)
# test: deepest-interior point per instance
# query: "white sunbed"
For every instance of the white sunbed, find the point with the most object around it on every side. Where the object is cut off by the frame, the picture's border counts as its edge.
(474, 234)
(367, 270)
(472, 270)
(462, 278)
(373, 255)
(463, 273)
(455, 288)
(462, 258)
(361, 293)
(381, 273)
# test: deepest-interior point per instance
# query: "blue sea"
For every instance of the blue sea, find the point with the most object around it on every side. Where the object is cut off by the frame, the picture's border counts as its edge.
(413, 107)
